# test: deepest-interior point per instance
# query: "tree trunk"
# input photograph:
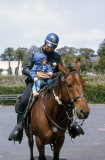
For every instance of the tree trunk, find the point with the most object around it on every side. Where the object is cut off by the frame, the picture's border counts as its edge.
(9, 67)
(18, 67)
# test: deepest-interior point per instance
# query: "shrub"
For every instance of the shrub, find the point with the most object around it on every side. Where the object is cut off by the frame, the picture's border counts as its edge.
(1, 70)
(15, 89)
(95, 92)
(9, 90)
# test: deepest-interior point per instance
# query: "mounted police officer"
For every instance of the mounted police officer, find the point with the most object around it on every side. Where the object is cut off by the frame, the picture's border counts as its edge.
(53, 58)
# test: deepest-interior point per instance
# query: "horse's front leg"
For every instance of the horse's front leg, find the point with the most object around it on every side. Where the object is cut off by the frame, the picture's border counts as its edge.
(41, 148)
(30, 141)
(31, 145)
(58, 147)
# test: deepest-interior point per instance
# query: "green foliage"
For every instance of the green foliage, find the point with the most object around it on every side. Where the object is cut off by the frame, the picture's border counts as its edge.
(69, 55)
(95, 93)
(8, 54)
(20, 53)
(70, 60)
(12, 80)
(101, 50)
(86, 52)
(1, 70)
(67, 50)
(86, 77)
(8, 90)
(101, 65)
(9, 71)
(11, 89)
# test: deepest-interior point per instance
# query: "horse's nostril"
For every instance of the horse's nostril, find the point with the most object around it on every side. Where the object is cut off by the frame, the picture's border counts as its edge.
(81, 111)
(85, 114)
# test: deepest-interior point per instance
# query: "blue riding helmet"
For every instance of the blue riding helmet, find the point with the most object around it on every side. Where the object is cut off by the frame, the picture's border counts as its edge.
(52, 40)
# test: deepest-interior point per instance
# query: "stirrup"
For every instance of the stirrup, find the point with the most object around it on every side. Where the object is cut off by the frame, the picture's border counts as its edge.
(75, 130)
(16, 134)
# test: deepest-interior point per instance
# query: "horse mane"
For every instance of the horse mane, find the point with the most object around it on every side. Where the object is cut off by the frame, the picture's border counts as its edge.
(49, 87)
(55, 82)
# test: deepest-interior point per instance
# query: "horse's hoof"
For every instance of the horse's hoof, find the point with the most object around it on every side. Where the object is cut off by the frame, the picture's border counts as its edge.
(42, 158)
(56, 157)
(32, 158)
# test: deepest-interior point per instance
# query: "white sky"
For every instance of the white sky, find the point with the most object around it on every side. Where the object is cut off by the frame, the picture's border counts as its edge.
(78, 23)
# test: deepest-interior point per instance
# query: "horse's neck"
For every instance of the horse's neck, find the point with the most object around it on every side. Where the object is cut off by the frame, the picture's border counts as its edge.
(56, 110)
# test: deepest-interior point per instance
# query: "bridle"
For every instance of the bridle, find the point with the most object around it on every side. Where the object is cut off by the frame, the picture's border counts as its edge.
(72, 101)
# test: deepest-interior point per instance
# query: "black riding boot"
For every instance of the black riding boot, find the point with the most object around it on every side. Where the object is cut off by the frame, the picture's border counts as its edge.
(74, 129)
(17, 132)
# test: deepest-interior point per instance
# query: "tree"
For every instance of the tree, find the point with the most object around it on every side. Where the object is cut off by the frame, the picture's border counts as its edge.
(9, 52)
(68, 60)
(67, 50)
(96, 66)
(101, 53)
(72, 51)
(101, 50)
(86, 52)
(4, 56)
(33, 49)
(19, 55)
(101, 65)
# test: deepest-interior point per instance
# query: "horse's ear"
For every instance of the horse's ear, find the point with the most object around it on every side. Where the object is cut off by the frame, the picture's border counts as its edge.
(62, 69)
(78, 65)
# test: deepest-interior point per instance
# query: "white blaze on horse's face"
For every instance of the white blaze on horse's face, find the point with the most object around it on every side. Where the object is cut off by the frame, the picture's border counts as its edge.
(75, 89)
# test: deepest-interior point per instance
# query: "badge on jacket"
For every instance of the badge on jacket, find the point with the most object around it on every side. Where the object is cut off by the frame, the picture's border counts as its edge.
(54, 64)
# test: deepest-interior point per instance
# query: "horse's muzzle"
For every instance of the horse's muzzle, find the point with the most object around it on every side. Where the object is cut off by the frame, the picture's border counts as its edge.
(83, 113)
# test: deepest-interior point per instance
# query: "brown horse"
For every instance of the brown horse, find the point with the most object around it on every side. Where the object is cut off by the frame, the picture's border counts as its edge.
(48, 115)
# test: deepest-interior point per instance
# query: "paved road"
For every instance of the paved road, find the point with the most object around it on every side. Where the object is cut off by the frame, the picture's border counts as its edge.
(90, 146)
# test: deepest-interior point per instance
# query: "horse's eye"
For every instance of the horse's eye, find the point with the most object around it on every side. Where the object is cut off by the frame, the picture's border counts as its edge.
(69, 85)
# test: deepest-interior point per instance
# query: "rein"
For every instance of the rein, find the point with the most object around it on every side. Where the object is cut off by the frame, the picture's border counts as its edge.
(69, 96)
(72, 101)
(51, 120)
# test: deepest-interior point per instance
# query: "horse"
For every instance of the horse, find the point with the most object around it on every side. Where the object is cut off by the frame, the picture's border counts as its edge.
(48, 117)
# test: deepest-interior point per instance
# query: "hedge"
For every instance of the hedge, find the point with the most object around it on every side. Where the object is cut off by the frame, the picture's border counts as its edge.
(11, 89)
(95, 92)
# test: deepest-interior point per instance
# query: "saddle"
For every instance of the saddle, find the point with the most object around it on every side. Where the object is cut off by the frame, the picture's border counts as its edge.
(32, 101)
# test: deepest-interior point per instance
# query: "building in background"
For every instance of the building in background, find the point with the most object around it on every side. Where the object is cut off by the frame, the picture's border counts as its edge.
(4, 65)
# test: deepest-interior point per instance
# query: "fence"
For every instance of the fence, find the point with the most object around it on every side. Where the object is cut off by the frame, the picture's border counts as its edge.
(6, 98)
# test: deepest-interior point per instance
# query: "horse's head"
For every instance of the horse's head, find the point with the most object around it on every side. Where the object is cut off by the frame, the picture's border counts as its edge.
(73, 90)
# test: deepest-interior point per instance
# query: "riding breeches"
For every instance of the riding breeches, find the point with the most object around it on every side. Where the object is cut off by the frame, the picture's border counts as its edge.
(25, 98)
